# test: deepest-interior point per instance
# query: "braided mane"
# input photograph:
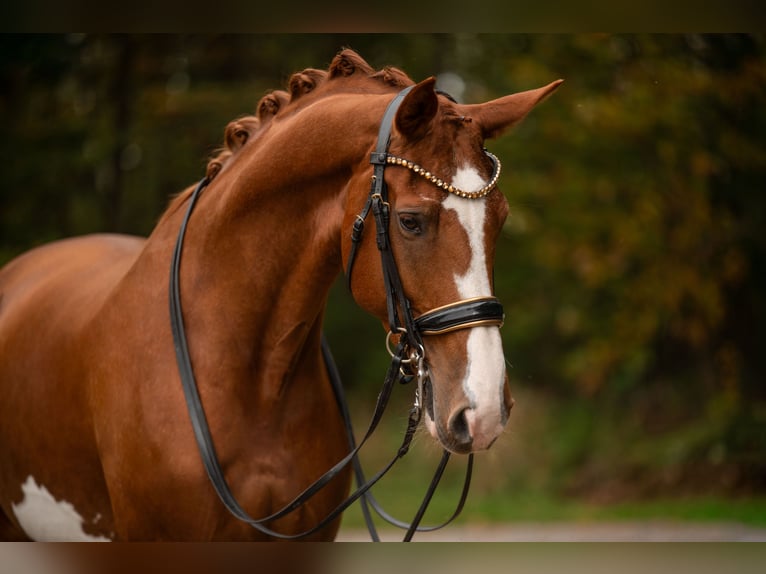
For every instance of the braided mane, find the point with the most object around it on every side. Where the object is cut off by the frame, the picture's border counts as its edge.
(347, 66)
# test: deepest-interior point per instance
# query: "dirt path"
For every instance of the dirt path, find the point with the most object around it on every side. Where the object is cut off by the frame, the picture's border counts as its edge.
(650, 531)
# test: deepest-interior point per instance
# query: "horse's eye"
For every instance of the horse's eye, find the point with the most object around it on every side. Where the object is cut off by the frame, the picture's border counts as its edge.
(410, 223)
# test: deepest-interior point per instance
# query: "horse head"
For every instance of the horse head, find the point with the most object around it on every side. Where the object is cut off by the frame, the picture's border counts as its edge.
(445, 214)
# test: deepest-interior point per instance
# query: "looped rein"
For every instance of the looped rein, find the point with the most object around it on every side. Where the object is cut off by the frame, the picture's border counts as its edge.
(203, 435)
(463, 314)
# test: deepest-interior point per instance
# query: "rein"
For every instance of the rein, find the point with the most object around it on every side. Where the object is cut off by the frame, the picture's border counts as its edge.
(407, 362)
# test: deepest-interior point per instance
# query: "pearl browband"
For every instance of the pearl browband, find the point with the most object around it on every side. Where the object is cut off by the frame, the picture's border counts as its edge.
(394, 160)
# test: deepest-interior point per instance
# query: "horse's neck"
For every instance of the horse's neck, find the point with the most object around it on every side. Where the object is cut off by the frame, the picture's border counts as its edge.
(261, 251)
(253, 288)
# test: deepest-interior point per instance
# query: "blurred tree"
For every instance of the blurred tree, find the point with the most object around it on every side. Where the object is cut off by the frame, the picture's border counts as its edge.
(635, 262)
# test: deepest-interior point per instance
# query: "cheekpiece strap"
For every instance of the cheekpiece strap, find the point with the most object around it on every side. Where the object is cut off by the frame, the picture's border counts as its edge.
(379, 159)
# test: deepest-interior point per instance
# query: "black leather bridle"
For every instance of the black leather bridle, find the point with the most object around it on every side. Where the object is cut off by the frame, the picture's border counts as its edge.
(407, 363)
(460, 315)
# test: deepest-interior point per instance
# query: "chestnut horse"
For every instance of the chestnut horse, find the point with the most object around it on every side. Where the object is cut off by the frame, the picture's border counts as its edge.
(95, 437)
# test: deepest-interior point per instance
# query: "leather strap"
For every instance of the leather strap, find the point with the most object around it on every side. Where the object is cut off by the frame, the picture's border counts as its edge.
(378, 160)
(461, 315)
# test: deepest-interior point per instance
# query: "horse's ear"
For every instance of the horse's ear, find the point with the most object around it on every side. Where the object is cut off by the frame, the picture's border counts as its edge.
(498, 115)
(417, 110)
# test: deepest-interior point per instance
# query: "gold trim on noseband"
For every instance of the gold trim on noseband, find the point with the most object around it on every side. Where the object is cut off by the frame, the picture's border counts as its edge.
(470, 325)
(393, 160)
(458, 303)
(480, 323)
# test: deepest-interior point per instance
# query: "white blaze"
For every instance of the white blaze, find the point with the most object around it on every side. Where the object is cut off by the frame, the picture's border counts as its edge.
(485, 371)
(45, 519)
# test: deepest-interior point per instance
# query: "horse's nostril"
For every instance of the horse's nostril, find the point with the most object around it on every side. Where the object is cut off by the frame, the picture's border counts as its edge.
(458, 426)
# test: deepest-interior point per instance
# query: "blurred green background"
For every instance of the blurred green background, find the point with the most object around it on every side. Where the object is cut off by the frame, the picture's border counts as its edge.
(632, 267)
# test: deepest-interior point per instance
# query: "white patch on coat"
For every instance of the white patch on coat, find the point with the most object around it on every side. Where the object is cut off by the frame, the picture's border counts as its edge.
(46, 519)
(485, 371)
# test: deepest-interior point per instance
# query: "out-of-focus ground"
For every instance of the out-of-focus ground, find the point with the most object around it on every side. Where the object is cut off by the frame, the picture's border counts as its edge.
(649, 531)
